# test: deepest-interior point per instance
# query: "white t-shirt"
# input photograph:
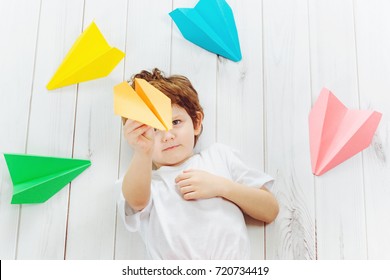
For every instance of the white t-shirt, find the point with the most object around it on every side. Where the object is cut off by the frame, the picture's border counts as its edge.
(175, 228)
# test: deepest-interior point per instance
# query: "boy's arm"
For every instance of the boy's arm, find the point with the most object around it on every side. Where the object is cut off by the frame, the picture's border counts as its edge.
(258, 203)
(137, 181)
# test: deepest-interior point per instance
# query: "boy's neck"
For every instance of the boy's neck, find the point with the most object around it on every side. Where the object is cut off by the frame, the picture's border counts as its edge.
(174, 164)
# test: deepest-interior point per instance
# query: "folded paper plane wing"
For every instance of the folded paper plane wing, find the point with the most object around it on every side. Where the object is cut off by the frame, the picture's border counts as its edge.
(338, 133)
(37, 178)
(145, 104)
(89, 58)
(210, 25)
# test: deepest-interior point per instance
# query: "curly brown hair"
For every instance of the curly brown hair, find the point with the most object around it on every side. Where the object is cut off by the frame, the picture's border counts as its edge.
(178, 88)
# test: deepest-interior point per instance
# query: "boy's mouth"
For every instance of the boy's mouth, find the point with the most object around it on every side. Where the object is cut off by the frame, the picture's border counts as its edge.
(170, 148)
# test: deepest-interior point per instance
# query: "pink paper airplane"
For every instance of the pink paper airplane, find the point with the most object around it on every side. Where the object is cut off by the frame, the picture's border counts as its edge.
(338, 133)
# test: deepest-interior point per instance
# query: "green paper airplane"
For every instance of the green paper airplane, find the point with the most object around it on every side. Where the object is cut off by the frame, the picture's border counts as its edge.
(37, 178)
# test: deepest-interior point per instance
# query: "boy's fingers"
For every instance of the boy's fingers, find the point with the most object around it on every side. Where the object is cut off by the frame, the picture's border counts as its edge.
(149, 133)
(129, 122)
(182, 176)
(190, 196)
(139, 131)
(132, 124)
(183, 183)
(193, 172)
(186, 189)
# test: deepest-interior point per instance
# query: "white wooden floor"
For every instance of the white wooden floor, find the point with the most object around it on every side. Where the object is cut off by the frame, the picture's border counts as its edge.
(291, 49)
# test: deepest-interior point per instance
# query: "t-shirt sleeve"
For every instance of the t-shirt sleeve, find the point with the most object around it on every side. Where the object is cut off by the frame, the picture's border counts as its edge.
(244, 174)
(131, 218)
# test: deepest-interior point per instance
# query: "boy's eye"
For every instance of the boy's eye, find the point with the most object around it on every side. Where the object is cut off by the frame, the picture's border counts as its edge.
(176, 122)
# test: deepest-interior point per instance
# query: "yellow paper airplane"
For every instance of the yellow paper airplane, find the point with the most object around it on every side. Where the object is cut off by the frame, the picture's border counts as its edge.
(145, 104)
(89, 58)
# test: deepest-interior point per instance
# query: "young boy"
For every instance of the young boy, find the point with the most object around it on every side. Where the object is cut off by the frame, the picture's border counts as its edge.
(191, 206)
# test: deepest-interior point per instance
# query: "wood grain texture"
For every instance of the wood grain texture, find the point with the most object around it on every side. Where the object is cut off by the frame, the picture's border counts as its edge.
(17, 60)
(287, 104)
(259, 106)
(51, 127)
(340, 211)
(92, 206)
(372, 26)
(240, 102)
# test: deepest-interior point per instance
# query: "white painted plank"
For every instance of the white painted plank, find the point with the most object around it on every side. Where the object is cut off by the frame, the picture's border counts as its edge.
(42, 226)
(148, 46)
(94, 230)
(373, 44)
(287, 104)
(240, 101)
(199, 66)
(92, 212)
(341, 229)
(17, 58)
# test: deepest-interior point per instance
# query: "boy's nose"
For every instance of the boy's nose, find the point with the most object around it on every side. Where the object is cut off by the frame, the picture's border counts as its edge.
(168, 135)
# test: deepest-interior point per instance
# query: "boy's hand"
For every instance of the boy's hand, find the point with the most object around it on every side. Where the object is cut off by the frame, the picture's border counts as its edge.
(139, 136)
(198, 184)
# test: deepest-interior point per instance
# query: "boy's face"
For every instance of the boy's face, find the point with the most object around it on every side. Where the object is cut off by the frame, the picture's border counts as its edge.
(175, 146)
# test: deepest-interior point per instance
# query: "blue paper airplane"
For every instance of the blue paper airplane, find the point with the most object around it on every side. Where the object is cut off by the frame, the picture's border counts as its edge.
(210, 25)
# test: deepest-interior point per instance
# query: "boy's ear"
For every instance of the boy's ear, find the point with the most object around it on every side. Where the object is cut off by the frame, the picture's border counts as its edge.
(198, 125)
